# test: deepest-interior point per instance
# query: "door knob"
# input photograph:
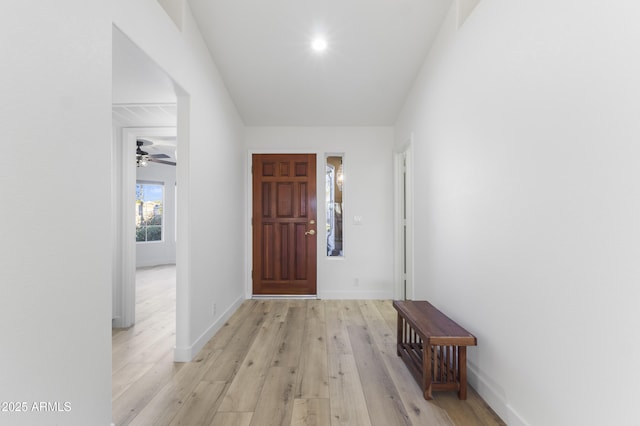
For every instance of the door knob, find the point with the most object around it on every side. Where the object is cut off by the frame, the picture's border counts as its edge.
(312, 221)
(310, 232)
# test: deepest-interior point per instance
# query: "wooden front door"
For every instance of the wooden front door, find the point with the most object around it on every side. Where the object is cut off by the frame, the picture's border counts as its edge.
(284, 224)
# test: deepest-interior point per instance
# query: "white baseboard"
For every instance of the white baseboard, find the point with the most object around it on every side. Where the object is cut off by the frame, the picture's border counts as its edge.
(188, 353)
(116, 322)
(514, 419)
(182, 354)
(496, 399)
(361, 295)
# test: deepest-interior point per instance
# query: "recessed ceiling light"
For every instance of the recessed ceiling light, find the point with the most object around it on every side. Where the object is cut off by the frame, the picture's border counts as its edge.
(319, 44)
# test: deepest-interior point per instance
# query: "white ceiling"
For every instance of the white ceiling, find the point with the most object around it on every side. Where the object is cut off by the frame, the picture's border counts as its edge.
(262, 49)
(376, 48)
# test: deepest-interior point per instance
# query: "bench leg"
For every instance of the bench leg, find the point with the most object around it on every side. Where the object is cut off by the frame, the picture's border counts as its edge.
(462, 367)
(400, 327)
(427, 380)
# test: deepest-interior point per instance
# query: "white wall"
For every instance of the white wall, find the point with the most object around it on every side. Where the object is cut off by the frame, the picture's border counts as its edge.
(160, 252)
(527, 202)
(55, 270)
(55, 259)
(368, 192)
(210, 249)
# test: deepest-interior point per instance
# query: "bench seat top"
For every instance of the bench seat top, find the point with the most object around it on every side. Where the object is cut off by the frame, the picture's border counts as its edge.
(433, 326)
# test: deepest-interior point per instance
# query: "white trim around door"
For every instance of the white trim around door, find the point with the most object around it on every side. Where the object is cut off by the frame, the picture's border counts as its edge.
(403, 241)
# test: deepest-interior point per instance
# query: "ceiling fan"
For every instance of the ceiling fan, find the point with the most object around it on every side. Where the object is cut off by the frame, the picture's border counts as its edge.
(143, 158)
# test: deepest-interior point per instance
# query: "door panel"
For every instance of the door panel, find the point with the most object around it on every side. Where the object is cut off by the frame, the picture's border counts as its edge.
(284, 224)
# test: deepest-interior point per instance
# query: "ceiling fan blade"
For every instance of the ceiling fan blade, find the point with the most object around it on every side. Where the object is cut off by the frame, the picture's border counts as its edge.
(159, 156)
(154, 160)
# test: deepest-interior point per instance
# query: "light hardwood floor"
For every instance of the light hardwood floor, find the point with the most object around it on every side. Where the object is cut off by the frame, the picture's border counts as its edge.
(275, 362)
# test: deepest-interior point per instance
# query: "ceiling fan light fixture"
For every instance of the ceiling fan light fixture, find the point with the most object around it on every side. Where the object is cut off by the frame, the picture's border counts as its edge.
(142, 161)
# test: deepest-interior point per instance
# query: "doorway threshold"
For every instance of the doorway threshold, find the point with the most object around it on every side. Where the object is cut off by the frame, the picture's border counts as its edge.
(285, 296)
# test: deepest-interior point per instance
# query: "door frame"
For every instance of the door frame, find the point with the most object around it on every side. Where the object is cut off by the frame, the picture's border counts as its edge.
(403, 195)
(127, 191)
(320, 212)
(125, 261)
(126, 293)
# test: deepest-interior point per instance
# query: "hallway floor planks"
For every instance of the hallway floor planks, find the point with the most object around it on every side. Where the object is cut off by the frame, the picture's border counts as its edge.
(275, 362)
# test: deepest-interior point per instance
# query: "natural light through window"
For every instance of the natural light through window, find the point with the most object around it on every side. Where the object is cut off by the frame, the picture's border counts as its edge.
(334, 187)
(149, 205)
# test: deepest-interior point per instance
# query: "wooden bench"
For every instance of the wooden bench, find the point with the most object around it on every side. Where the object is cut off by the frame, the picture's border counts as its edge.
(433, 346)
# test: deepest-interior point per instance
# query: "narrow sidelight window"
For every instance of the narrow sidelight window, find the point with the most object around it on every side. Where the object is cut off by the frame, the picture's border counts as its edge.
(335, 205)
